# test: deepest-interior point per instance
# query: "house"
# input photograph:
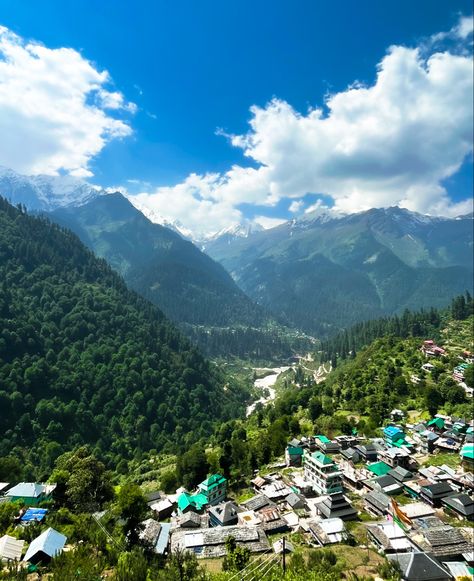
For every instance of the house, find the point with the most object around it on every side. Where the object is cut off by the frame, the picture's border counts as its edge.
(427, 441)
(282, 545)
(328, 532)
(394, 436)
(191, 502)
(336, 506)
(377, 503)
(467, 455)
(440, 540)
(10, 548)
(156, 535)
(293, 455)
(368, 452)
(459, 569)
(272, 522)
(33, 515)
(389, 538)
(351, 454)
(248, 518)
(379, 468)
(275, 490)
(434, 493)
(346, 441)
(295, 501)
(416, 510)
(223, 515)
(214, 488)
(326, 445)
(437, 424)
(210, 543)
(31, 493)
(428, 367)
(190, 520)
(400, 474)
(420, 567)
(388, 485)
(322, 472)
(396, 457)
(396, 415)
(258, 502)
(460, 505)
(164, 507)
(49, 544)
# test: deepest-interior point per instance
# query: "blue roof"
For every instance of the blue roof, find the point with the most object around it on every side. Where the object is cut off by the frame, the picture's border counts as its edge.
(163, 539)
(26, 489)
(49, 542)
(33, 514)
(392, 431)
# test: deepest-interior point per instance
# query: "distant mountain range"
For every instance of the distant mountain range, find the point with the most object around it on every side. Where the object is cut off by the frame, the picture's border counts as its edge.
(42, 192)
(318, 273)
(327, 272)
(188, 285)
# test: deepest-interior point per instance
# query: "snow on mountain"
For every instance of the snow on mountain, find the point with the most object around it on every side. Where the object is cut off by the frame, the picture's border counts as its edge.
(42, 192)
(157, 218)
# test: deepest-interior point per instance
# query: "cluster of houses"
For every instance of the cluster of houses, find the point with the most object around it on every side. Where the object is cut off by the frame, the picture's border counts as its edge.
(407, 508)
(45, 546)
(431, 350)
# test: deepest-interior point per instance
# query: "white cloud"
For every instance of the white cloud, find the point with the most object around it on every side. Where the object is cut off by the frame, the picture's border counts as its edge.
(295, 206)
(53, 108)
(465, 27)
(266, 222)
(391, 143)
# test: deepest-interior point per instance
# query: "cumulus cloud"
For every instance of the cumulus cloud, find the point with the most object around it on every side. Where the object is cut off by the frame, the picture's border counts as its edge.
(55, 108)
(391, 143)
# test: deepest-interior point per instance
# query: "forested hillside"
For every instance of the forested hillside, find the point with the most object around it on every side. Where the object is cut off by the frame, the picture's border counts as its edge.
(158, 263)
(326, 273)
(85, 360)
(423, 323)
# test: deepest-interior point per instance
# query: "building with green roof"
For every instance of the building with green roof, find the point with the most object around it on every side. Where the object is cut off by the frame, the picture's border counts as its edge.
(322, 472)
(467, 455)
(379, 468)
(214, 488)
(196, 502)
(436, 423)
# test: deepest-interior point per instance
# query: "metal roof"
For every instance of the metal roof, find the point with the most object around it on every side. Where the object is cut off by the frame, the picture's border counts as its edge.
(10, 548)
(34, 514)
(26, 489)
(49, 542)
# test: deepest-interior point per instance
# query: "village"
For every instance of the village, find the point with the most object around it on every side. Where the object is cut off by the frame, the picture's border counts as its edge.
(405, 496)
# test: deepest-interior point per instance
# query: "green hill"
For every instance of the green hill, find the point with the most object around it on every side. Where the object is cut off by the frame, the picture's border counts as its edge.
(326, 273)
(85, 360)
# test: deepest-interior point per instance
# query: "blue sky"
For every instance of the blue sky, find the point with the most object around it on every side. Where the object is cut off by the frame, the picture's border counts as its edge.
(193, 67)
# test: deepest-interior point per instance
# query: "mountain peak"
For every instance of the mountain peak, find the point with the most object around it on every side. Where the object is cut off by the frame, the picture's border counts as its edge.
(44, 192)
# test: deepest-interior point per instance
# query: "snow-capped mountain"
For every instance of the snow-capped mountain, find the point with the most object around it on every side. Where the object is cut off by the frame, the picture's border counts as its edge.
(42, 192)
(158, 218)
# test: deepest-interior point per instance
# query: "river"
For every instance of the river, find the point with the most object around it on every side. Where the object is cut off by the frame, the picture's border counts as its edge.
(267, 383)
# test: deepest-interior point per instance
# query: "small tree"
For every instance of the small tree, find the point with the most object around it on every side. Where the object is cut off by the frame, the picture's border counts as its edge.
(236, 557)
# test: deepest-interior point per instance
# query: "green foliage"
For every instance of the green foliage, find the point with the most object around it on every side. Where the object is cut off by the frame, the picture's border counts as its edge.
(131, 506)
(131, 566)
(236, 557)
(325, 276)
(85, 360)
(192, 466)
(7, 511)
(180, 566)
(83, 563)
(83, 483)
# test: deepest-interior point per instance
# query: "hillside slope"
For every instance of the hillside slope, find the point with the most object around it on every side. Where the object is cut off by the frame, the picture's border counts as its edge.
(85, 360)
(326, 273)
(158, 263)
